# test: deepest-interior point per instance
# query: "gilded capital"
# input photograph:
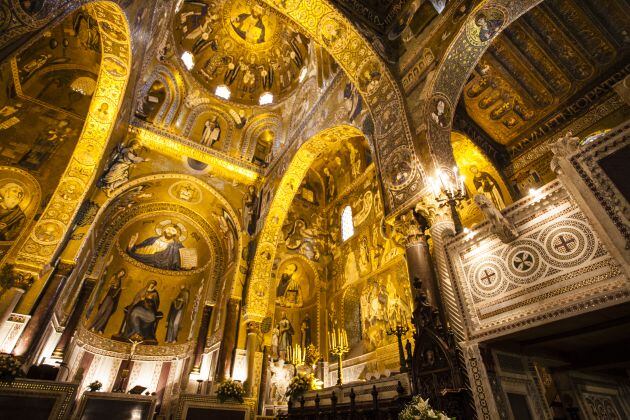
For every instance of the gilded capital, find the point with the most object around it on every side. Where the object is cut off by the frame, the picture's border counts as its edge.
(409, 229)
(23, 281)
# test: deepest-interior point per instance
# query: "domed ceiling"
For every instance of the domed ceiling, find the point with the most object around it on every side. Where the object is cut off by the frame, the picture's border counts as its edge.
(243, 45)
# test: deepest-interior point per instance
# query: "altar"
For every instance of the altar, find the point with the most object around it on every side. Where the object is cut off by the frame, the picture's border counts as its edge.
(115, 406)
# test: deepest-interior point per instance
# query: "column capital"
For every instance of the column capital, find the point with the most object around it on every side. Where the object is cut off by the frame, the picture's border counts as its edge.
(22, 280)
(253, 326)
(64, 268)
(433, 211)
(409, 229)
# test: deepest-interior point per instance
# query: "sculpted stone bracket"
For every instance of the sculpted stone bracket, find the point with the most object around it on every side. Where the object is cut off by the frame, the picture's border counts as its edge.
(401, 169)
(47, 235)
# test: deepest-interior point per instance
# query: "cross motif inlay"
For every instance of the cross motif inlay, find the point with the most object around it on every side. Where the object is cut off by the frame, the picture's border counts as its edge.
(488, 276)
(566, 243)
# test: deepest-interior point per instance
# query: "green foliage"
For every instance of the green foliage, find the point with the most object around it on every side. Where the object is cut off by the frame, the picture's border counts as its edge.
(95, 386)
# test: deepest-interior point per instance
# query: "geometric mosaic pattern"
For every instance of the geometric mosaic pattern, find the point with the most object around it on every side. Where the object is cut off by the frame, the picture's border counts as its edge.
(556, 266)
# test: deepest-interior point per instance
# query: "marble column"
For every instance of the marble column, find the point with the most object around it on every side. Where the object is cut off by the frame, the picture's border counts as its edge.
(410, 227)
(29, 340)
(73, 319)
(10, 298)
(252, 346)
(228, 343)
(442, 229)
(201, 338)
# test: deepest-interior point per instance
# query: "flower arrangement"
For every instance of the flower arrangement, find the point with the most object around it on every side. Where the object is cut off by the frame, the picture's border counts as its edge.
(230, 390)
(312, 356)
(419, 409)
(95, 386)
(301, 383)
(10, 367)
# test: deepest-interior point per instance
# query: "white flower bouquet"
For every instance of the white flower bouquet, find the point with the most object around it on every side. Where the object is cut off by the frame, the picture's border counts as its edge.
(10, 367)
(419, 409)
(301, 383)
(95, 386)
(230, 390)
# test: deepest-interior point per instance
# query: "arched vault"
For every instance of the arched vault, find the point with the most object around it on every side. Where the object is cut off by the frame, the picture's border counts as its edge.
(259, 285)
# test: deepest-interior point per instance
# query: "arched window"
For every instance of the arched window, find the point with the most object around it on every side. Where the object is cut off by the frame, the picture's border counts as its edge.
(347, 226)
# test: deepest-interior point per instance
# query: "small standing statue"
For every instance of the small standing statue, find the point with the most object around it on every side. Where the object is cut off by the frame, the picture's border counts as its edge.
(275, 339)
(211, 132)
(285, 341)
(305, 328)
(562, 149)
(502, 227)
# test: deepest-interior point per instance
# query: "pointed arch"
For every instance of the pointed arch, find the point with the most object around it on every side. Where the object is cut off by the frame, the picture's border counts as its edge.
(401, 166)
(258, 292)
(175, 91)
(217, 111)
(254, 128)
(46, 236)
(75, 250)
(451, 74)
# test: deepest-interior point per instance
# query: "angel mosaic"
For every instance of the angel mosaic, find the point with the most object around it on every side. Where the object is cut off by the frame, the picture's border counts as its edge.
(122, 160)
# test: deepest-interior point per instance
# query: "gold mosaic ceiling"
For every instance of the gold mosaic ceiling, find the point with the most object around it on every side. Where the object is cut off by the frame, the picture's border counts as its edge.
(241, 44)
(544, 61)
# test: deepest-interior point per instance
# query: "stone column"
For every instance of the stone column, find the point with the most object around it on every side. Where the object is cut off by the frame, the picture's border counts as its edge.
(201, 338)
(252, 346)
(28, 342)
(226, 351)
(410, 227)
(73, 319)
(480, 384)
(10, 298)
(443, 228)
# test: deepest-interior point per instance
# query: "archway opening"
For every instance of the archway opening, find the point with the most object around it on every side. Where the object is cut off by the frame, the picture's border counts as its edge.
(72, 87)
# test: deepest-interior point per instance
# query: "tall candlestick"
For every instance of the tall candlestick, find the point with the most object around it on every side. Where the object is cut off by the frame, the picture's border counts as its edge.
(339, 346)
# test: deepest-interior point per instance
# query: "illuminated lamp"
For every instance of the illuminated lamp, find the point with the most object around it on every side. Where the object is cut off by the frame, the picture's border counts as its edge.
(266, 98)
(188, 59)
(222, 91)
